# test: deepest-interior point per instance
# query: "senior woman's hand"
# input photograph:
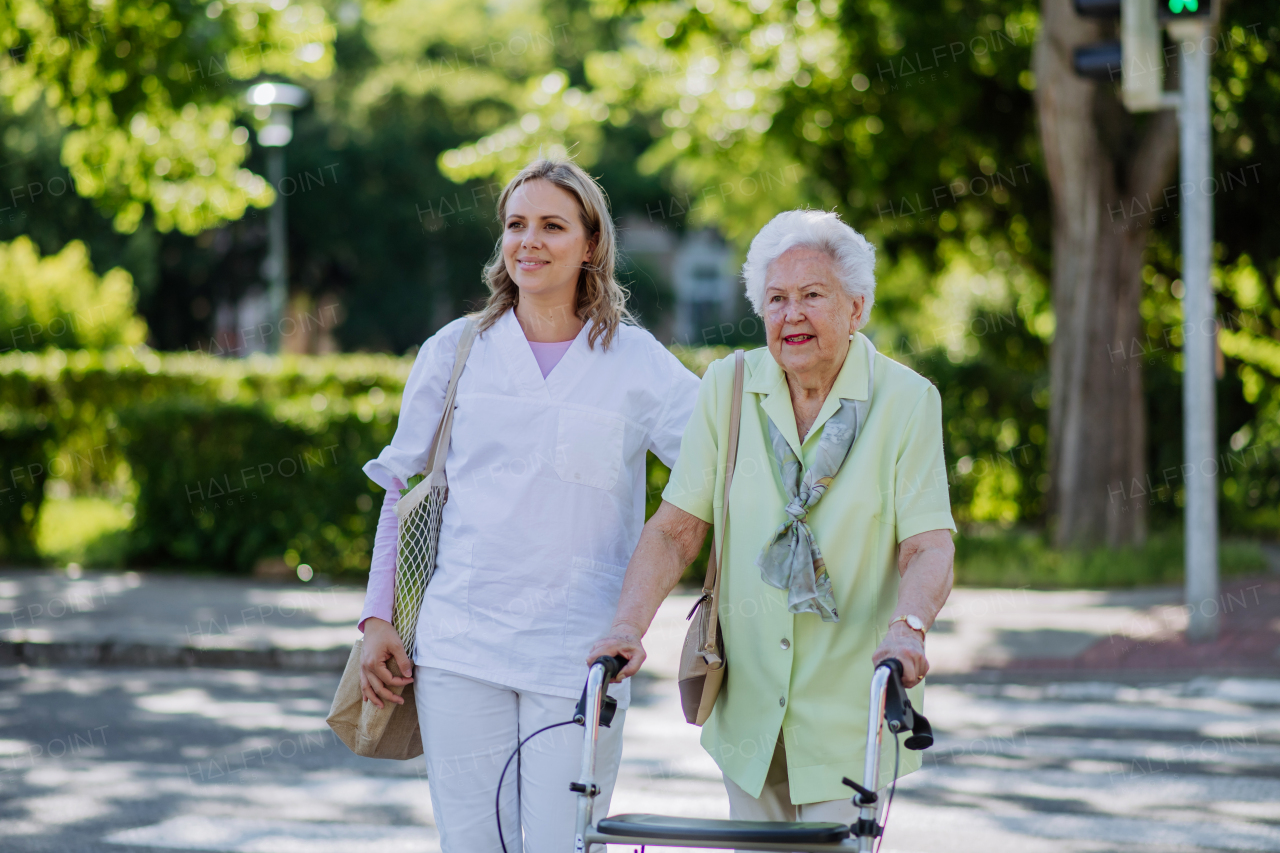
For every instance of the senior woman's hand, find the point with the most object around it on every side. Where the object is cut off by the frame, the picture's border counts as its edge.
(907, 646)
(622, 640)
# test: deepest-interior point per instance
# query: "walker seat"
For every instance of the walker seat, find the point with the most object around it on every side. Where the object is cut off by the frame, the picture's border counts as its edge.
(728, 832)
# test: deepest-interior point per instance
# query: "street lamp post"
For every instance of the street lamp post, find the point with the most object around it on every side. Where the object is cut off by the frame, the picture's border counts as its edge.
(276, 102)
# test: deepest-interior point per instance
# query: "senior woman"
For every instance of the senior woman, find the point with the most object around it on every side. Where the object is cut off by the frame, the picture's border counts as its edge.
(838, 552)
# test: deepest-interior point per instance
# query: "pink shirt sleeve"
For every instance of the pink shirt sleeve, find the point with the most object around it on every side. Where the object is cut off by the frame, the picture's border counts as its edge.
(380, 593)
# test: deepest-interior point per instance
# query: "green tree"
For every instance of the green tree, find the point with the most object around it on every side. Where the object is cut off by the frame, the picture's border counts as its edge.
(919, 123)
(373, 220)
(915, 122)
(146, 95)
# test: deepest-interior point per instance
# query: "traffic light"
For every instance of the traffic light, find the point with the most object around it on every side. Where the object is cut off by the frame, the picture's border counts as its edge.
(1172, 10)
(1135, 60)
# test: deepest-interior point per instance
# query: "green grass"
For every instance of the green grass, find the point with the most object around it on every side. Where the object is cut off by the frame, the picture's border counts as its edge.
(85, 530)
(1025, 559)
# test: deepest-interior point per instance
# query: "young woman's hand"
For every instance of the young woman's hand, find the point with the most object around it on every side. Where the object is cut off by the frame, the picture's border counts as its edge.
(381, 644)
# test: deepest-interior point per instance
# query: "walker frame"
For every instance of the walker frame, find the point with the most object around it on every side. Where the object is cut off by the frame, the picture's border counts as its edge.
(889, 707)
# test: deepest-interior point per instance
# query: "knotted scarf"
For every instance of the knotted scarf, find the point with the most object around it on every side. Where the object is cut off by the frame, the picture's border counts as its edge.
(791, 559)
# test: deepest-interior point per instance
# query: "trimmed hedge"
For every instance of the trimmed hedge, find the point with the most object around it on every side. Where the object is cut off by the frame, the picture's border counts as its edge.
(166, 429)
(225, 484)
(80, 395)
(25, 464)
(229, 460)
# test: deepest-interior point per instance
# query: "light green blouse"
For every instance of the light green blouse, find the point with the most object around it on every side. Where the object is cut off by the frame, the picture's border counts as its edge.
(795, 672)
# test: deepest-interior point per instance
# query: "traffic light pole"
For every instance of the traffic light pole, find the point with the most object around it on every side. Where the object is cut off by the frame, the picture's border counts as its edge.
(1136, 57)
(1199, 406)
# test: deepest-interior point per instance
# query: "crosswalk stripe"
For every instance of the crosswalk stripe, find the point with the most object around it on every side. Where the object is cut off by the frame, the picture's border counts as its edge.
(1016, 769)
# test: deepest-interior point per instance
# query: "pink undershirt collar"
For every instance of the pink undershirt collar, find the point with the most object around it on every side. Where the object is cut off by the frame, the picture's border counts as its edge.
(549, 355)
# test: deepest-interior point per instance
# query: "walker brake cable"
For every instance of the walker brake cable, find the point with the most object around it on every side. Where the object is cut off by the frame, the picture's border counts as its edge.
(884, 825)
(497, 799)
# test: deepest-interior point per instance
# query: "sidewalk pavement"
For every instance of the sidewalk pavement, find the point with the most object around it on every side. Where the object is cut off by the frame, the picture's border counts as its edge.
(151, 619)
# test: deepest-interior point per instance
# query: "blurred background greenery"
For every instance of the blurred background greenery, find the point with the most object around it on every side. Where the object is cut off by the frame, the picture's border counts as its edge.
(141, 425)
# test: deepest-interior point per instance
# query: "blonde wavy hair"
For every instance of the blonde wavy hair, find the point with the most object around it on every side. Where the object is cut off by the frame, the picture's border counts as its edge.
(602, 301)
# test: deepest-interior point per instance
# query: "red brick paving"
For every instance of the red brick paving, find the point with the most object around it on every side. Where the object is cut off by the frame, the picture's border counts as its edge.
(1248, 639)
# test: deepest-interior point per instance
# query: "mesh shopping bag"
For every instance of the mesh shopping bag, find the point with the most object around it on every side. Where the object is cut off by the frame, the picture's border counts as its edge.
(392, 731)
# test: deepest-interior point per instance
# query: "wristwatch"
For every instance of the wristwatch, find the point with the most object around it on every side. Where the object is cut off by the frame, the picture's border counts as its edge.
(914, 622)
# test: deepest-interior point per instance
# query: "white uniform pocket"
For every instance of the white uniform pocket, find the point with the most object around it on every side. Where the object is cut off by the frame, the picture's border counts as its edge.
(589, 448)
(594, 590)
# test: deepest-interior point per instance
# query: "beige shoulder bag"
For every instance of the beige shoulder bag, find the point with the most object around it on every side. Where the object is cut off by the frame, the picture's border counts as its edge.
(702, 660)
(392, 731)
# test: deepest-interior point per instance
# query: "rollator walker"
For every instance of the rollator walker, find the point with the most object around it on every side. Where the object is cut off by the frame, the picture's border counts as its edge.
(889, 705)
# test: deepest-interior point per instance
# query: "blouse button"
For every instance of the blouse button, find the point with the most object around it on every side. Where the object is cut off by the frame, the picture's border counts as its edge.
(782, 701)
(786, 644)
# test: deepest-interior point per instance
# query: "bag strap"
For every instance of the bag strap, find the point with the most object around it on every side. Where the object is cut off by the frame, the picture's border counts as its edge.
(862, 406)
(731, 461)
(440, 443)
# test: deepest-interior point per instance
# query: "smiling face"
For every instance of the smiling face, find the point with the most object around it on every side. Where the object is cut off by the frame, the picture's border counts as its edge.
(808, 315)
(544, 243)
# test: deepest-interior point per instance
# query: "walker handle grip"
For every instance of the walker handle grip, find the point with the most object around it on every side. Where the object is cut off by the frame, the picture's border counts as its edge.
(894, 664)
(897, 707)
(612, 665)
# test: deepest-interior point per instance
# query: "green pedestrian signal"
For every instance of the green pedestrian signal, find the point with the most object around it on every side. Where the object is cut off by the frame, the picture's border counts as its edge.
(1173, 9)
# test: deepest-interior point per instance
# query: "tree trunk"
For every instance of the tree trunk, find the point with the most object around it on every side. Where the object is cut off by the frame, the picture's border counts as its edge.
(1108, 180)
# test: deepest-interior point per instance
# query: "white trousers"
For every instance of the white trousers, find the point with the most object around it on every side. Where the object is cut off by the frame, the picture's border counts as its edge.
(774, 802)
(469, 729)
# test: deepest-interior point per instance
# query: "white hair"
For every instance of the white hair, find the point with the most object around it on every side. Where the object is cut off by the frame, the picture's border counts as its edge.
(854, 257)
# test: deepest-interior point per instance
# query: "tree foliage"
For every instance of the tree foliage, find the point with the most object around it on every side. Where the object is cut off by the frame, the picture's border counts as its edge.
(1244, 89)
(915, 121)
(58, 301)
(143, 91)
(374, 221)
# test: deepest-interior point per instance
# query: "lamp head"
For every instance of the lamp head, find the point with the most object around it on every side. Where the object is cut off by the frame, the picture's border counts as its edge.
(277, 95)
(276, 102)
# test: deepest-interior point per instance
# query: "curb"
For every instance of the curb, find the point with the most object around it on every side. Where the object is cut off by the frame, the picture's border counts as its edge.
(1014, 675)
(108, 653)
(112, 654)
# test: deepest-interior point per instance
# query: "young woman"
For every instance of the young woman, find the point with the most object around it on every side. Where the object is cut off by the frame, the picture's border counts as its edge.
(560, 400)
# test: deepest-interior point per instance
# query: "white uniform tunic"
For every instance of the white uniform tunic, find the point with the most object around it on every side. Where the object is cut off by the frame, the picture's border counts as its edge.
(546, 495)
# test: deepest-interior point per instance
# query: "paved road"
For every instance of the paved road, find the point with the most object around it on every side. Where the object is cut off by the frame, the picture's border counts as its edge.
(143, 760)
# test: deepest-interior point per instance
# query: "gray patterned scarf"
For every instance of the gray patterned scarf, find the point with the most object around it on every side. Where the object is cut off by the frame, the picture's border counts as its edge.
(791, 559)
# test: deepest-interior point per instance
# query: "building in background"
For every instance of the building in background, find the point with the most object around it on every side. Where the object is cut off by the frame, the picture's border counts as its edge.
(244, 326)
(700, 271)
(704, 276)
